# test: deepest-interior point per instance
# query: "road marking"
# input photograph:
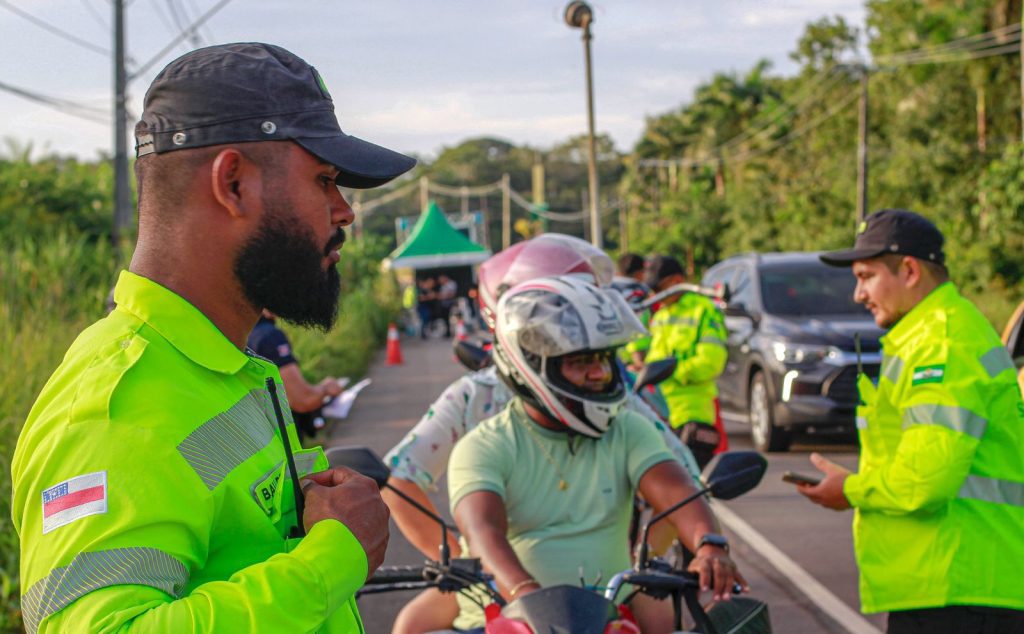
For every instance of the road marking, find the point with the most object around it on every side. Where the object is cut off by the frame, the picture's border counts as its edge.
(829, 603)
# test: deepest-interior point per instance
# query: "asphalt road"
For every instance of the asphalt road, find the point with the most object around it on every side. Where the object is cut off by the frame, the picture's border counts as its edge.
(815, 540)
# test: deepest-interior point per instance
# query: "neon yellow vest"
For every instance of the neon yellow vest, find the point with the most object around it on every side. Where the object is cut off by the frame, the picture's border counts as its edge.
(151, 491)
(693, 331)
(939, 494)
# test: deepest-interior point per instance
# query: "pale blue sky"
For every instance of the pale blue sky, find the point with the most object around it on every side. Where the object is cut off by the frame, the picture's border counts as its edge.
(418, 75)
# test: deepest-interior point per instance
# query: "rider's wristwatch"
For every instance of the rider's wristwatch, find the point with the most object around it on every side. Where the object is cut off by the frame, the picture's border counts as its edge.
(714, 540)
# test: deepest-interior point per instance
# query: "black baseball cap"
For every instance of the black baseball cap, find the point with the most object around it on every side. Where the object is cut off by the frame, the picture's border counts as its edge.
(658, 267)
(892, 231)
(237, 93)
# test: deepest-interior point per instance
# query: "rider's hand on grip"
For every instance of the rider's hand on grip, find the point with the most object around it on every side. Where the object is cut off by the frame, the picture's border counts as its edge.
(717, 572)
(354, 500)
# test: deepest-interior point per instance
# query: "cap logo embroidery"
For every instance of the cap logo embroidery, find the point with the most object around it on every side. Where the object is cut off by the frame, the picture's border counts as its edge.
(268, 127)
(179, 138)
(320, 83)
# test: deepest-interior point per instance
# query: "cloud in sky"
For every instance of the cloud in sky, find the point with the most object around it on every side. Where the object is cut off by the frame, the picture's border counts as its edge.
(421, 75)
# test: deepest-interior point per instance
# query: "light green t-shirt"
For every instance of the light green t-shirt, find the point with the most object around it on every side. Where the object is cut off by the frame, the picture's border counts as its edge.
(556, 532)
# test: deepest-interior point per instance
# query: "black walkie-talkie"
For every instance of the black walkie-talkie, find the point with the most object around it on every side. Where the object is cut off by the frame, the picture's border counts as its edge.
(300, 503)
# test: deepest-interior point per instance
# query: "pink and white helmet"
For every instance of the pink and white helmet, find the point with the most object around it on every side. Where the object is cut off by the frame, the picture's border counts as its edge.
(547, 254)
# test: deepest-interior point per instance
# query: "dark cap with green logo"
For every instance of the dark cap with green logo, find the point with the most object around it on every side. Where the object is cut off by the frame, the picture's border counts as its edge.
(239, 93)
(892, 231)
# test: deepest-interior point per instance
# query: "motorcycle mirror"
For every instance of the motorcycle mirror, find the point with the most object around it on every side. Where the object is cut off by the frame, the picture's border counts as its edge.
(655, 372)
(733, 473)
(361, 460)
(729, 475)
(472, 356)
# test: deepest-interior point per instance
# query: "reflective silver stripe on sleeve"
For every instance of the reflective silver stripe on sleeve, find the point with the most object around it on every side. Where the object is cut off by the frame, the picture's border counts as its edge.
(892, 367)
(92, 571)
(956, 418)
(713, 340)
(677, 321)
(228, 439)
(992, 490)
(996, 361)
(862, 422)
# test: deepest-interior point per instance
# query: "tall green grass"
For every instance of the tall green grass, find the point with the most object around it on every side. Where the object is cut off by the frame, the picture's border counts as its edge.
(52, 288)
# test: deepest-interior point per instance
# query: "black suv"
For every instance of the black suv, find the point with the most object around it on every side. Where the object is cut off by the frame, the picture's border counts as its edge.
(792, 353)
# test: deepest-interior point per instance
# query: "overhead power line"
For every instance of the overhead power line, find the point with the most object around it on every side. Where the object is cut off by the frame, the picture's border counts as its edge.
(1001, 41)
(179, 38)
(43, 24)
(996, 38)
(81, 111)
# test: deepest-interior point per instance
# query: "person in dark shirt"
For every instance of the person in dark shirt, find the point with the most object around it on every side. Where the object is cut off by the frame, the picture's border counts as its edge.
(304, 398)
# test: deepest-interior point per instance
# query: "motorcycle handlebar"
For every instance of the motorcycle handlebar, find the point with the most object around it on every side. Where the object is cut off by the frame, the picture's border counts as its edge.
(396, 574)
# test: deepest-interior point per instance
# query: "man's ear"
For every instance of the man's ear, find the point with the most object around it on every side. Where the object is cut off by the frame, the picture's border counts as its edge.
(911, 271)
(226, 175)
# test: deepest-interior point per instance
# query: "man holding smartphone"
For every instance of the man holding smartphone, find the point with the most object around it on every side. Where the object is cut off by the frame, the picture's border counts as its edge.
(939, 492)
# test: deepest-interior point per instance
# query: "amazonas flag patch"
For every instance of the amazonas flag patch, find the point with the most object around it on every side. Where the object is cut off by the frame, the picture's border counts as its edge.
(928, 374)
(74, 499)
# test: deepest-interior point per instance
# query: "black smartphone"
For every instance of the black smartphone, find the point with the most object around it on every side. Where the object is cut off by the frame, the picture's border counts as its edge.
(799, 478)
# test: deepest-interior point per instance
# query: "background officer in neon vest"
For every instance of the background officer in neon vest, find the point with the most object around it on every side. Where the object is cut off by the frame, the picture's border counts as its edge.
(689, 327)
(152, 489)
(939, 492)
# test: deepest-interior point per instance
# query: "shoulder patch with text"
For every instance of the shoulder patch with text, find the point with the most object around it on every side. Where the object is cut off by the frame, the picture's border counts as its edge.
(928, 374)
(74, 499)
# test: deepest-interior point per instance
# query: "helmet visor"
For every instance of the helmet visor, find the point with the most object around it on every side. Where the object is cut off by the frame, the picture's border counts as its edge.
(548, 325)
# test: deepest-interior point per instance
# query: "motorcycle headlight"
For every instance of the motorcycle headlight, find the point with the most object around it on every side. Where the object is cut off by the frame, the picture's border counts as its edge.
(804, 354)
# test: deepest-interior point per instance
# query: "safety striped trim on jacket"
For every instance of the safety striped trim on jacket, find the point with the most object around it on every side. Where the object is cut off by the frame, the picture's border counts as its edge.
(891, 368)
(993, 490)
(956, 418)
(674, 321)
(230, 438)
(712, 339)
(996, 361)
(95, 570)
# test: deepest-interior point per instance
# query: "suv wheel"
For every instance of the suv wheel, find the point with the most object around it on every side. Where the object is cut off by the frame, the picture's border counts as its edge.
(764, 433)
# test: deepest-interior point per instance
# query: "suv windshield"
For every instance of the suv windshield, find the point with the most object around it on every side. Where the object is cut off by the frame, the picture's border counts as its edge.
(809, 289)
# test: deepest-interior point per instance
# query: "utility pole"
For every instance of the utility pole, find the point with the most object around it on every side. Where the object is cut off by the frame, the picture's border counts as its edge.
(424, 193)
(506, 211)
(578, 14)
(122, 188)
(862, 149)
(623, 227)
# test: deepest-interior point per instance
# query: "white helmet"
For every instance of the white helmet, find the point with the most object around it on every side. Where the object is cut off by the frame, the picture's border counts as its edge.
(542, 320)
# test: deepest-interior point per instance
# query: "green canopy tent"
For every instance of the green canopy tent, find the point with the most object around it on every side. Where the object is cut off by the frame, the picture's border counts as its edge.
(434, 243)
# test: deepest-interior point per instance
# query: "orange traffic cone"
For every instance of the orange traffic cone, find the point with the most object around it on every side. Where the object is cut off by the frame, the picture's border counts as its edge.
(460, 330)
(394, 346)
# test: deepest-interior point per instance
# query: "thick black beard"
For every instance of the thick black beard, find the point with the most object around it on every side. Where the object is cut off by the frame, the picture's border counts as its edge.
(281, 268)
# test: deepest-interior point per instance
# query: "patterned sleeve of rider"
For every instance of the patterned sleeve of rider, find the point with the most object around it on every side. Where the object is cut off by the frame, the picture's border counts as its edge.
(422, 455)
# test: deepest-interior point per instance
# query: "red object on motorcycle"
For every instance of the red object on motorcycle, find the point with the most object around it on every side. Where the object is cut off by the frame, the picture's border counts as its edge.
(723, 440)
(625, 625)
(497, 624)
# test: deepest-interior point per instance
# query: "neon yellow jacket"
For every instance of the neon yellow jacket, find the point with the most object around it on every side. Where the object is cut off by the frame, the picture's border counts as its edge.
(151, 492)
(939, 493)
(640, 344)
(693, 331)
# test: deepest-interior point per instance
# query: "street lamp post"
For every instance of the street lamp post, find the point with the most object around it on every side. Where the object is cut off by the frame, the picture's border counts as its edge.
(579, 15)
